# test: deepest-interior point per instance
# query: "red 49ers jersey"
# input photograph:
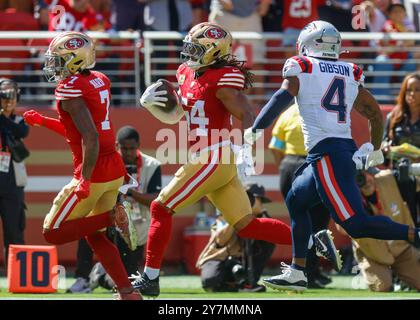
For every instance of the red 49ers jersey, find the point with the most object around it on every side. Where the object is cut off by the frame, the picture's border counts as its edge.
(94, 89)
(206, 115)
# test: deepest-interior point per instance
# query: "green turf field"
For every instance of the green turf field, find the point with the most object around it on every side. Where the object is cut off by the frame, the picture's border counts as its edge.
(188, 287)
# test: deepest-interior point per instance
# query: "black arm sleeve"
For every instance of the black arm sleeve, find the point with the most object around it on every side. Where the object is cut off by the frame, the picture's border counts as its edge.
(155, 183)
(19, 130)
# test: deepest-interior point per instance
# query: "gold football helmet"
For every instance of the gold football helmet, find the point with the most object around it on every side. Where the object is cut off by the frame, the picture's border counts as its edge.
(68, 53)
(205, 44)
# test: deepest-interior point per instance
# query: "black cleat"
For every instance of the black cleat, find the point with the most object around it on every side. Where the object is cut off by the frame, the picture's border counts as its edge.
(146, 286)
(325, 247)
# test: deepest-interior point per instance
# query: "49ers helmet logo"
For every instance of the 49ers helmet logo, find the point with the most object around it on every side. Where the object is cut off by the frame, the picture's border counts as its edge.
(215, 33)
(73, 44)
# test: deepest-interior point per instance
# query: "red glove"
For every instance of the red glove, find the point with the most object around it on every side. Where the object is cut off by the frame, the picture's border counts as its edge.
(82, 189)
(33, 118)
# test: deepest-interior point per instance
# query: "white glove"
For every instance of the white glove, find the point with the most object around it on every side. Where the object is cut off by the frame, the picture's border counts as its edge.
(250, 137)
(372, 157)
(244, 161)
(151, 97)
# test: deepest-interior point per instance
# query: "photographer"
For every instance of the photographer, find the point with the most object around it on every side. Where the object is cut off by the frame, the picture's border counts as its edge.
(229, 263)
(12, 169)
(379, 259)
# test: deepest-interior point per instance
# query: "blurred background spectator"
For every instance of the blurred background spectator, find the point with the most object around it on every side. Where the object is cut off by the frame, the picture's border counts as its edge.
(403, 126)
(392, 49)
(244, 15)
(12, 168)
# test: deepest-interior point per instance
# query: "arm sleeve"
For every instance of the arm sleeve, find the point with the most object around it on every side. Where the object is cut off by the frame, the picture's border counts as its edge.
(54, 125)
(155, 183)
(19, 130)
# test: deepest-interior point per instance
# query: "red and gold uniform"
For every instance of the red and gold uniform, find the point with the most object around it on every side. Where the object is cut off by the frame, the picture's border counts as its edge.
(213, 172)
(107, 176)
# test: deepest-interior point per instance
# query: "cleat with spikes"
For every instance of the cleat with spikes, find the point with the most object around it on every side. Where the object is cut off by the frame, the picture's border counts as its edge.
(324, 245)
(290, 279)
(125, 225)
(129, 294)
(146, 286)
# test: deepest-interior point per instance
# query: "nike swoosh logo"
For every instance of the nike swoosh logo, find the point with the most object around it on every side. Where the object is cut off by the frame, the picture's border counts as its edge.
(66, 87)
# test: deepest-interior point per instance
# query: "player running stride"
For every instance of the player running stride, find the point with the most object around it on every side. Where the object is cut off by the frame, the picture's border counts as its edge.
(326, 90)
(210, 84)
(84, 207)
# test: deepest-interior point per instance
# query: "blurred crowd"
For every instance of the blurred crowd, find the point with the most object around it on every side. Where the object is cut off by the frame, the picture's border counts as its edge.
(285, 16)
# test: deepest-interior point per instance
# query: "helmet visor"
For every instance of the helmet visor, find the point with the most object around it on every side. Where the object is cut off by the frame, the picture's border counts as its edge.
(53, 68)
(192, 51)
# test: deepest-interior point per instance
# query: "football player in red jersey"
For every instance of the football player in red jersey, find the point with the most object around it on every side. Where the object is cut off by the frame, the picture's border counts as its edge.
(211, 84)
(85, 206)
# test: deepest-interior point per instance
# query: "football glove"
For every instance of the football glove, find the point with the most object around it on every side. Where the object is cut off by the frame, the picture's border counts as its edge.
(244, 161)
(83, 189)
(250, 137)
(33, 118)
(151, 97)
(366, 157)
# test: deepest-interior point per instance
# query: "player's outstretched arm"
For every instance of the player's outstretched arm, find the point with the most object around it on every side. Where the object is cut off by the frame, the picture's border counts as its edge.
(83, 121)
(237, 104)
(34, 118)
(277, 104)
(367, 106)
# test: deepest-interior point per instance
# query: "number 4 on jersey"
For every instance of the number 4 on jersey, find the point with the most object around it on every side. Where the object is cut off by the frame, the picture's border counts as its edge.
(334, 99)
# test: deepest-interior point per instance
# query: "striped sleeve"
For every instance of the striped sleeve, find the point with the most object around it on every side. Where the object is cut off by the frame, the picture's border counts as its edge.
(232, 79)
(296, 65)
(67, 92)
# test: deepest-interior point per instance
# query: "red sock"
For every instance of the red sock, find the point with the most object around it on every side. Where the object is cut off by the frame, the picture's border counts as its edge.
(267, 229)
(77, 229)
(108, 254)
(159, 234)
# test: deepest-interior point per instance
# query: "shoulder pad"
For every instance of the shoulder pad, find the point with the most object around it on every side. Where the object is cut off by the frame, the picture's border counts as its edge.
(69, 88)
(296, 65)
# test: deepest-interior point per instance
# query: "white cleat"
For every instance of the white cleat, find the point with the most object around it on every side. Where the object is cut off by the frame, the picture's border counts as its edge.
(289, 279)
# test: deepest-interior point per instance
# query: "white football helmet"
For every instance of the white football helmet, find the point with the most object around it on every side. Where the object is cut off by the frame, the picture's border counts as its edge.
(319, 39)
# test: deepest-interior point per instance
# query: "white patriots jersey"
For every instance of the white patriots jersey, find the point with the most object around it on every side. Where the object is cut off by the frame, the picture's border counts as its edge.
(327, 91)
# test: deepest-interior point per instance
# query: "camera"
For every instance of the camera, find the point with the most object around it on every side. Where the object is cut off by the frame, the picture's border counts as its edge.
(239, 274)
(404, 169)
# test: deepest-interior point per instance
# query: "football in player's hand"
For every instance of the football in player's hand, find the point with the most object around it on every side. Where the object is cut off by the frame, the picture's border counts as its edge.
(172, 95)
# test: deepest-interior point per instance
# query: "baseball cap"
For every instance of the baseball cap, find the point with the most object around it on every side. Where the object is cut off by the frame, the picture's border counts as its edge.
(257, 190)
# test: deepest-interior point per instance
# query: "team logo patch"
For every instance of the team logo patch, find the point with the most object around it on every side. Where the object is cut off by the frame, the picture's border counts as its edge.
(215, 33)
(73, 44)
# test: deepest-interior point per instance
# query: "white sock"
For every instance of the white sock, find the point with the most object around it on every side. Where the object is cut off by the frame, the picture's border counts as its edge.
(151, 272)
(311, 242)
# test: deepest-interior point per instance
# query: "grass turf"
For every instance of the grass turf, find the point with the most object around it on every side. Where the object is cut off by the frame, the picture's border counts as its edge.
(189, 287)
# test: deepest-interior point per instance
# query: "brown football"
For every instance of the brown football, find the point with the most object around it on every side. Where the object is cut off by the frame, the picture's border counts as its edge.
(172, 95)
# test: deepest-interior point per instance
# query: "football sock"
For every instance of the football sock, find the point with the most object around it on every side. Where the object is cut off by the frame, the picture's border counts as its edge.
(78, 228)
(267, 229)
(108, 254)
(151, 273)
(159, 234)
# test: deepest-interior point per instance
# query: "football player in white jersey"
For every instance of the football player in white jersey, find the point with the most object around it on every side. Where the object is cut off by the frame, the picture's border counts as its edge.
(326, 90)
